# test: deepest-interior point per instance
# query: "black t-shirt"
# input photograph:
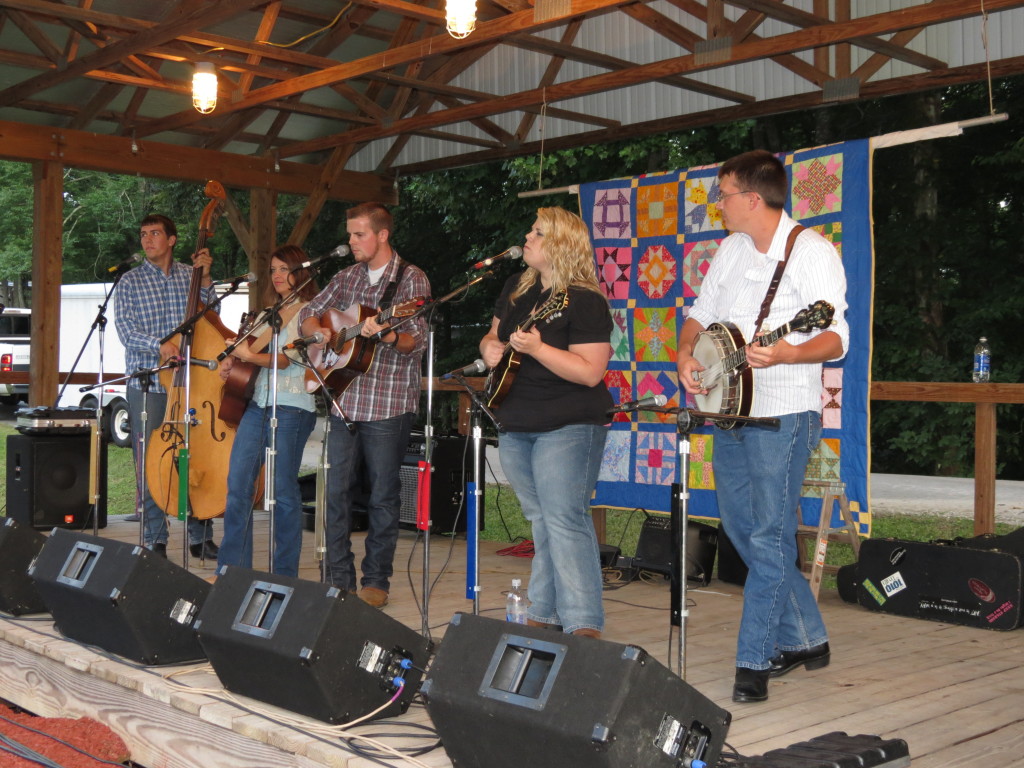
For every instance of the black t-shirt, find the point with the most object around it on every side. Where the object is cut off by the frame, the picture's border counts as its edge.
(539, 400)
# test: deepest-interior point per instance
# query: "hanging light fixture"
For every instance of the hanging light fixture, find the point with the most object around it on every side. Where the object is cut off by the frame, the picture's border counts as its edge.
(204, 87)
(460, 16)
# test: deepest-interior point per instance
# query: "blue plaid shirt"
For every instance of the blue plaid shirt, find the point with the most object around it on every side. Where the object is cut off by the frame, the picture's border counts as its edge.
(147, 306)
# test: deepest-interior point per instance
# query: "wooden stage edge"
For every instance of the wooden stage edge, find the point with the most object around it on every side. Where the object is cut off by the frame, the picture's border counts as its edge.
(952, 693)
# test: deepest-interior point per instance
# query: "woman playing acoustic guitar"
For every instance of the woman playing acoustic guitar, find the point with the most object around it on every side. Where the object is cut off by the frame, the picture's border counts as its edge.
(296, 416)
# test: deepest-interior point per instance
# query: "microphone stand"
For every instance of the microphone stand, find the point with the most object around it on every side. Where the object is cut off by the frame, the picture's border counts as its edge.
(423, 516)
(145, 377)
(687, 420)
(322, 485)
(97, 445)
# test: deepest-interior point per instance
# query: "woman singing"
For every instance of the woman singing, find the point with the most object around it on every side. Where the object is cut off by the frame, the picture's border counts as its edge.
(296, 416)
(554, 414)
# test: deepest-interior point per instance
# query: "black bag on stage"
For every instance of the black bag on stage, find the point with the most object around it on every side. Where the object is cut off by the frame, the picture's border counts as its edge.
(977, 582)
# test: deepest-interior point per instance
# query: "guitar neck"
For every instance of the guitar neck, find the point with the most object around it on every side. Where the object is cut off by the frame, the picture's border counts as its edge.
(738, 358)
(355, 330)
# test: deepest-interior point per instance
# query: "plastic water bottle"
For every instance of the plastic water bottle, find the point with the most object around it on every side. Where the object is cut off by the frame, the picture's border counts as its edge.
(515, 604)
(982, 361)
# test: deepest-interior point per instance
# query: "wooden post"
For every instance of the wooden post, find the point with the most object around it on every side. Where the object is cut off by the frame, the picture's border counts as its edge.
(47, 224)
(984, 468)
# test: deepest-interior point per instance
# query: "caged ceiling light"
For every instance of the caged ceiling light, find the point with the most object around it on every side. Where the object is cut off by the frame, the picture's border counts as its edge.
(460, 16)
(204, 87)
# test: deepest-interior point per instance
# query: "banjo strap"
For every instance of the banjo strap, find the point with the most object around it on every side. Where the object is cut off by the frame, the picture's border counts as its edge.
(773, 286)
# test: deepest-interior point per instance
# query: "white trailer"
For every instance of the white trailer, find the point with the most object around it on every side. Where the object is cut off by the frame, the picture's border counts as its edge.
(79, 306)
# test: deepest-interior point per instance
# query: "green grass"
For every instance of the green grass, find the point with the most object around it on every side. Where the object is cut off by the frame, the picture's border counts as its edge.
(504, 522)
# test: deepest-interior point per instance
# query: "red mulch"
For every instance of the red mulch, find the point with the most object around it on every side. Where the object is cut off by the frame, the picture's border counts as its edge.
(91, 737)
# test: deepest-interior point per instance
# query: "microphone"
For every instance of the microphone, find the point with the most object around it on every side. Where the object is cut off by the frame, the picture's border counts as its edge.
(477, 366)
(639, 405)
(338, 253)
(305, 341)
(248, 277)
(128, 263)
(210, 364)
(515, 252)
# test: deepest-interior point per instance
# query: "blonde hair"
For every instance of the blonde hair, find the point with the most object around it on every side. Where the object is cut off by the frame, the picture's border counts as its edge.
(568, 251)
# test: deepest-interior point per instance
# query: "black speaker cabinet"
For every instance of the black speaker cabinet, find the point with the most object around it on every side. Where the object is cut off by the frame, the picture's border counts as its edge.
(18, 547)
(507, 695)
(731, 568)
(655, 548)
(451, 467)
(308, 647)
(120, 597)
(974, 582)
(48, 481)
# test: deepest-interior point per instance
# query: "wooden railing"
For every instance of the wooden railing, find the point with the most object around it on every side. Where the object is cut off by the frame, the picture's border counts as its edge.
(985, 398)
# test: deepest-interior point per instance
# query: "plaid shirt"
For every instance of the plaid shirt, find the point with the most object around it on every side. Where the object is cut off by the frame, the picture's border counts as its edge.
(147, 306)
(391, 386)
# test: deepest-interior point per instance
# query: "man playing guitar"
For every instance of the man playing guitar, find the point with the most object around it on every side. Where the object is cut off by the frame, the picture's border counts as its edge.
(759, 472)
(378, 404)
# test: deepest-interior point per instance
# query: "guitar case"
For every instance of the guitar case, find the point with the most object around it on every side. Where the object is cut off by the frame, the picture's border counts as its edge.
(977, 582)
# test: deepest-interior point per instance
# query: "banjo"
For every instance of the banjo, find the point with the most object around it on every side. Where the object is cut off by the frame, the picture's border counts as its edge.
(722, 352)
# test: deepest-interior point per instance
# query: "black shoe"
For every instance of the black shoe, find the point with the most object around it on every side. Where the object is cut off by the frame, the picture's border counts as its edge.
(812, 658)
(750, 685)
(159, 549)
(207, 550)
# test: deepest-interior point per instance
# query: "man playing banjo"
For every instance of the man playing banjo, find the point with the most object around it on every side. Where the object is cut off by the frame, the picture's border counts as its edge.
(759, 472)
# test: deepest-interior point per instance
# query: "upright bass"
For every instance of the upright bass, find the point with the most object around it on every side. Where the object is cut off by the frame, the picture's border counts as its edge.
(196, 453)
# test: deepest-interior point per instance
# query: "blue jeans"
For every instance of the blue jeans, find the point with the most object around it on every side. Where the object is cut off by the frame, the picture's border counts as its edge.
(155, 526)
(382, 445)
(758, 474)
(554, 474)
(294, 426)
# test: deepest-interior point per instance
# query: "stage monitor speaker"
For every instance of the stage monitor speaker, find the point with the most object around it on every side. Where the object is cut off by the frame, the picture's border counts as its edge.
(120, 597)
(308, 647)
(974, 582)
(452, 466)
(18, 547)
(48, 481)
(508, 695)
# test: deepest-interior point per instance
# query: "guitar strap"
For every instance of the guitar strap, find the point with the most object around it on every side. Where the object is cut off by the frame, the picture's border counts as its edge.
(773, 286)
(388, 297)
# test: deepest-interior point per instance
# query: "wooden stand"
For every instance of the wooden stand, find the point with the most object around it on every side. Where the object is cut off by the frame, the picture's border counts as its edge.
(822, 534)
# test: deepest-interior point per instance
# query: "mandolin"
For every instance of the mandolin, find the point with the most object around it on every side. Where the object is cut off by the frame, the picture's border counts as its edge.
(500, 378)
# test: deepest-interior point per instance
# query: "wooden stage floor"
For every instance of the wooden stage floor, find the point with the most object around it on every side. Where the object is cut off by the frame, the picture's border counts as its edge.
(955, 694)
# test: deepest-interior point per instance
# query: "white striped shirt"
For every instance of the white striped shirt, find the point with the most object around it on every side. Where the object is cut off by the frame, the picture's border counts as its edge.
(735, 286)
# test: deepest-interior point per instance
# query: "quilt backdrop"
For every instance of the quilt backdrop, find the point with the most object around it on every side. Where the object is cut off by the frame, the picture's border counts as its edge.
(654, 237)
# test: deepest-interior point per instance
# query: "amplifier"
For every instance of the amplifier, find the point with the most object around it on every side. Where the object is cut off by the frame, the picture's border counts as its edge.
(451, 468)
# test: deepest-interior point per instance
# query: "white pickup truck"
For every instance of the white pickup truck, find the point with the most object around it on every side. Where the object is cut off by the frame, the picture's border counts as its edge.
(15, 345)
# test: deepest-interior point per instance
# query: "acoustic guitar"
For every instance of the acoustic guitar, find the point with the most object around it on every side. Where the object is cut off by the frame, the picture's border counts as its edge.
(240, 384)
(350, 354)
(727, 375)
(500, 378)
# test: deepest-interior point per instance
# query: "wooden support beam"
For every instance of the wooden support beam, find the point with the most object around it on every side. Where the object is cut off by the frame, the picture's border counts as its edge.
(47, 224)
(263, 225)
(154, 159)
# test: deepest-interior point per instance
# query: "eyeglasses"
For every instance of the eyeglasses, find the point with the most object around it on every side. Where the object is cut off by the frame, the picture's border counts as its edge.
(722, 197)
